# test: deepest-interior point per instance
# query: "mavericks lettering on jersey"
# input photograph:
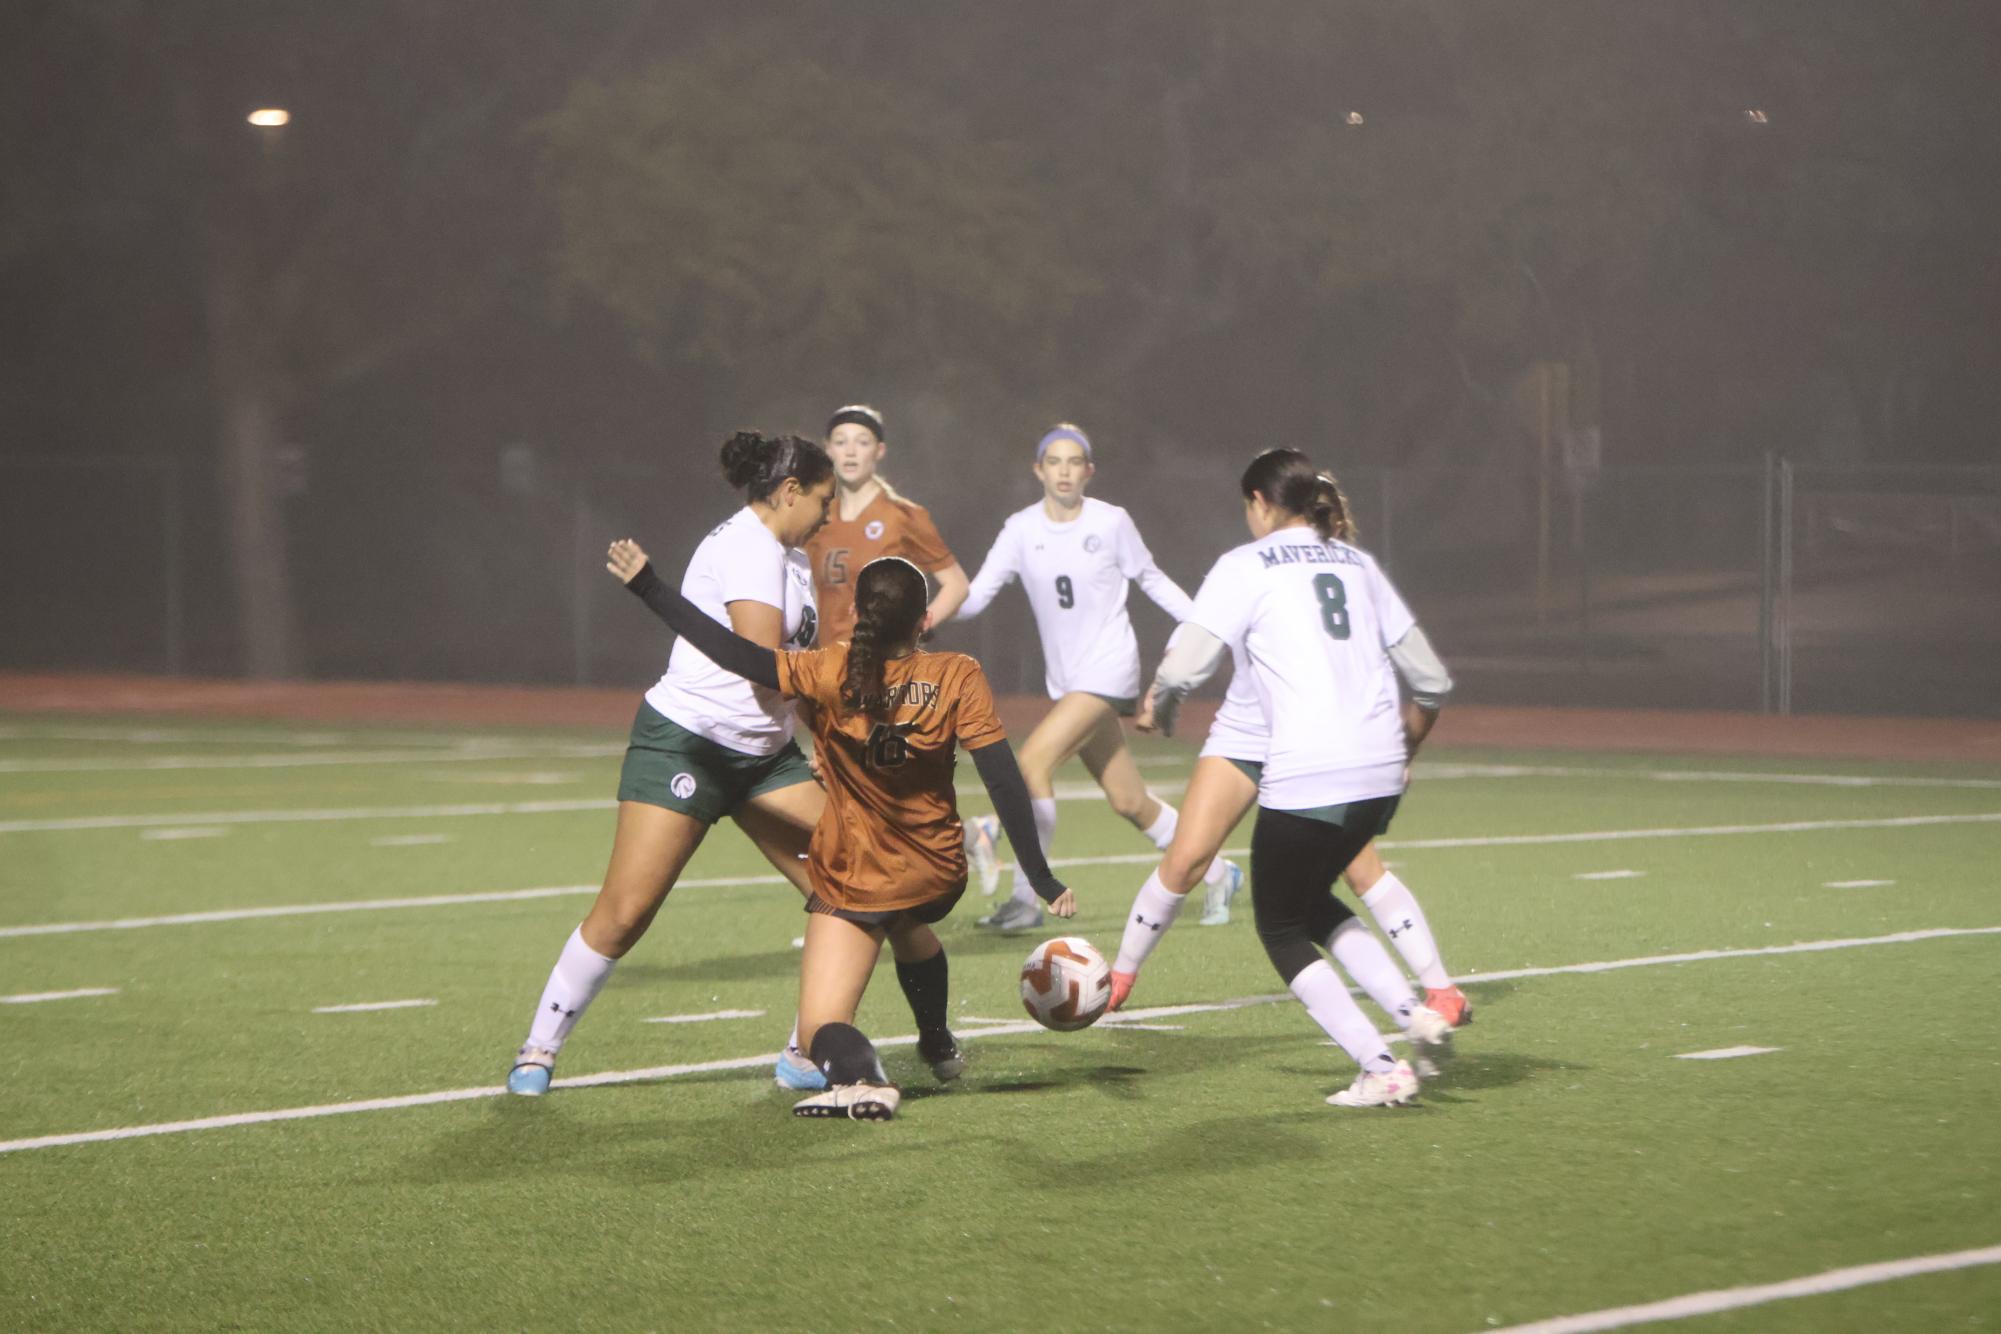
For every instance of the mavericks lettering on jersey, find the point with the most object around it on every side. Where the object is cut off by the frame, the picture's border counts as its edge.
(1307, 553)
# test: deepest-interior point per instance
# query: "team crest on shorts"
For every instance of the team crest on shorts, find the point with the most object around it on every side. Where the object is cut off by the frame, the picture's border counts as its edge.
(1092, 544)
(874, 529)
(682, 785)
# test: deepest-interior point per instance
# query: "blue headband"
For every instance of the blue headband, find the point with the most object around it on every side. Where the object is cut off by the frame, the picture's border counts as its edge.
(1063, 433)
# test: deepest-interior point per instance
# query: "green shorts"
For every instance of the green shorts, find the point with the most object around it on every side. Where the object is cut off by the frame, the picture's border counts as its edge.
(667, 765)
(1251, 769)
(1368, 819)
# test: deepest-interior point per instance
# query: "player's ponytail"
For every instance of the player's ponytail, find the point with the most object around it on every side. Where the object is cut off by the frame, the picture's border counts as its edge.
(1287, 480)
(758, 465)
(889, 606)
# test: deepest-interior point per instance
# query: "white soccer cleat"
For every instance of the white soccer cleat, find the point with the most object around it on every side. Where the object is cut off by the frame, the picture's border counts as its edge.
(856, 1102)
(982, 837)
(1216, 898)
(1013, 916)
(1395, 1089)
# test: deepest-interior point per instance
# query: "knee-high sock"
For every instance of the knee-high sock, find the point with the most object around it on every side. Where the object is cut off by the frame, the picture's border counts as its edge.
(1154, 910)
(574, 982)
(845, 1056)
(1357, 950)
(1161, 832)
(1045, 832)
(1395, 909)
(924, 986)
(1320, 989)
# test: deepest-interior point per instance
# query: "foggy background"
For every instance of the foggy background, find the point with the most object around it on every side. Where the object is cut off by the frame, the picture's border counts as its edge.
(1655, 344)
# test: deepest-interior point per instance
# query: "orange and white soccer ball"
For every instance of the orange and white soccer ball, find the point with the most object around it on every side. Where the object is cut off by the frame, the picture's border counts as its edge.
(1065, 984)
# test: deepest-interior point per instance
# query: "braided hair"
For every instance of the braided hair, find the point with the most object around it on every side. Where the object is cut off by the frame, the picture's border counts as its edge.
(1288, 481)
(889, 606)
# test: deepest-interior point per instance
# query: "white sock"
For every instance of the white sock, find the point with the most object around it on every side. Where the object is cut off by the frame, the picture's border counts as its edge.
(1390, 902)
(1325, 996)
(1045, 833)
(1154, 910)
(1357, 950)
(574, 982)
(792, 1043)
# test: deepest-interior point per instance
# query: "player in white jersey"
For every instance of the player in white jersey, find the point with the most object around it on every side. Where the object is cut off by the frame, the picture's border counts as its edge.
(706, 743)
(1223, 789)
(1074, 557)
(1324, 637)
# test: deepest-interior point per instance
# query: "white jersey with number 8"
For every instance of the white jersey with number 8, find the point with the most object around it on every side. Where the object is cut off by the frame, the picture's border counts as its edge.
(1313, 622)
(1075, 575)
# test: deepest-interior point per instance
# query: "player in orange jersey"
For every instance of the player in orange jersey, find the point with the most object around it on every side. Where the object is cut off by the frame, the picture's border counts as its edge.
(887, 858)
(870, 520)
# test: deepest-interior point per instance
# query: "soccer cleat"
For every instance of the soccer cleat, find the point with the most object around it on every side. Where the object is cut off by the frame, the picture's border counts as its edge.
(1395, 1089)
(1122, 987)
(982, 834)
(532, 1068)
(947, 1062)
(1216, 899)
(857, 1102)
(1013, 916)
(1452, 1003)
(794, 1071)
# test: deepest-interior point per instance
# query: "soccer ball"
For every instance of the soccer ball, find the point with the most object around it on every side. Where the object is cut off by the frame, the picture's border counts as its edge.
(1065, 984)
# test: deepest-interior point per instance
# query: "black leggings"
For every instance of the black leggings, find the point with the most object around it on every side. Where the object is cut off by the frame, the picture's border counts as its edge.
(1295, 861)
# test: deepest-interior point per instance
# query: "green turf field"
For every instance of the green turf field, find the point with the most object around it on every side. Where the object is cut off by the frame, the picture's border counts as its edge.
(1181, 1176)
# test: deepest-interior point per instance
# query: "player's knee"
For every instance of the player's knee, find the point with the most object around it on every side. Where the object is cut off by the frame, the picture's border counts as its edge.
(1181, 868)
(1131, 806)
(617, 922)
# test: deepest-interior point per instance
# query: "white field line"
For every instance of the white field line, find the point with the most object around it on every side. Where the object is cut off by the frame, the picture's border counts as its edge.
(1608, 875)
(182, 835)
(1725, 1053)
(409, 840)
(460, 810)
(706, 1018)
(35, 997)
(1452, 771)
(309, 760)
(1856, 884)
(373, 1005)
(1733, 1299)
(157, 736)
(1058, 863)
(1124, 1018)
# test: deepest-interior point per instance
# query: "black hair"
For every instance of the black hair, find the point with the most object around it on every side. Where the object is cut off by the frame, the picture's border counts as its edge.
(757, 464)
(1288, 480)
(860, 414)
(889, 606)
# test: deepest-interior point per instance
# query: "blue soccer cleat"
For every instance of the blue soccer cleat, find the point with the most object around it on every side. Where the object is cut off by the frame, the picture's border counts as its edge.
(794, 1071)
(532, 1068)
(1216, 900)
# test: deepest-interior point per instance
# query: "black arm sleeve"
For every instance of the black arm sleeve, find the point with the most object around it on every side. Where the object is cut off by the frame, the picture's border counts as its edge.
(724, 647)
(1002, 775)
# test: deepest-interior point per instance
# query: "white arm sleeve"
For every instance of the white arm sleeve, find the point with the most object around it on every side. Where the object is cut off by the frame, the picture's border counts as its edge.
(1136, 563)
(1193, 656)
(1419, 666)
(997, 571)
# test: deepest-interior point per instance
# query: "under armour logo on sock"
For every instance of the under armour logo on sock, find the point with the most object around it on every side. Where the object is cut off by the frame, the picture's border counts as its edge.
(1151, 926)
(1400, 928)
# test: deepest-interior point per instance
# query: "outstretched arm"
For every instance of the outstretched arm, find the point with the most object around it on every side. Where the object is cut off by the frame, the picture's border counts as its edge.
(719, 643)
(998, 771)
(1136, 563)
(996, 572)
(1193, 656)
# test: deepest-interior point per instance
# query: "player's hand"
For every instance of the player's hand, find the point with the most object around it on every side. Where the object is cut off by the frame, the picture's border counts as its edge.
(1143, 720)
(1066, 904)
(1122, 987)
(625, 558)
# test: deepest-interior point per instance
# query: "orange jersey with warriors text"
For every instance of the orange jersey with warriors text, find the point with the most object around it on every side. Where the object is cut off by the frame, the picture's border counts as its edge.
(885, 527)
(890, 837)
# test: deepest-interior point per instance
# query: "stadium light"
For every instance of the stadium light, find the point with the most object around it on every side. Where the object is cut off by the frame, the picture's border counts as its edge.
(1756, 115)
(269, 118)
(1354, 118)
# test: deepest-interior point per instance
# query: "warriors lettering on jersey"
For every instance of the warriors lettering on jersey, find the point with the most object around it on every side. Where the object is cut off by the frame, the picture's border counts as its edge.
(920, 695)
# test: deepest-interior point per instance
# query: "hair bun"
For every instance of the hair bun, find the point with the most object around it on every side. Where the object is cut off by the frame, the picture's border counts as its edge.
(747, 456)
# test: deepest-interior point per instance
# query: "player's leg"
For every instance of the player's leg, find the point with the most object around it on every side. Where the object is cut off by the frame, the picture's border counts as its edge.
(1294, 860)
(1396, 911)
(1218, 794)
(650, 849)
(1111, 763)
(924, 975)
(833, 973)
(1061, 733)
(780, 824)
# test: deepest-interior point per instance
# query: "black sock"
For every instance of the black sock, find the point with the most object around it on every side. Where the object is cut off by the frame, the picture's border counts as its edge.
(845, 1056)
(924, 986)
